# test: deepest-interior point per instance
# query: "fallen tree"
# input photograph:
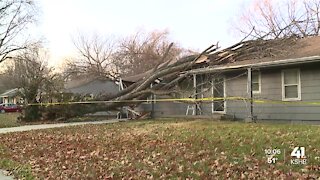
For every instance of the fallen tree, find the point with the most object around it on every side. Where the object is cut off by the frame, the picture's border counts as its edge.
(171, 73)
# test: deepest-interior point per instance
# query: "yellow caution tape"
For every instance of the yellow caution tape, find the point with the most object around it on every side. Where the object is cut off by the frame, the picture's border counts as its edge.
(190, 100)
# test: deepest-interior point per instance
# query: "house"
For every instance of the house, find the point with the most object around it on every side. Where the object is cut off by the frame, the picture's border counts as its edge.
(91, 87)
(11, 96)
(282, 87)
(285, 87)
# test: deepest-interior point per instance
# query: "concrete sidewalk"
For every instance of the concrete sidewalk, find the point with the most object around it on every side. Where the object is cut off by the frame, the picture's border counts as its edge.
(3, 175)
(48, 126)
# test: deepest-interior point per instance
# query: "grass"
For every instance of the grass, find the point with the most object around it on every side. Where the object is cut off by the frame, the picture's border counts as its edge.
(88, 118)
(164, 149)
(18, 170)
(9, 120)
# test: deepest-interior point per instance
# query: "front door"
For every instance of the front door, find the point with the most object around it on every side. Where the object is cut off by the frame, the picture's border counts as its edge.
(218, 92)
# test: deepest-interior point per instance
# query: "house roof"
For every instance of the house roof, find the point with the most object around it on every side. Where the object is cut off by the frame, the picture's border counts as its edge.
(10, 93)
(284, 62)
(82, 81)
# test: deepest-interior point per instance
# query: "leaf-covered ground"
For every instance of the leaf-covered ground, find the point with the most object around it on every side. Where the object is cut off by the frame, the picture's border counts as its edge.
(162, 149)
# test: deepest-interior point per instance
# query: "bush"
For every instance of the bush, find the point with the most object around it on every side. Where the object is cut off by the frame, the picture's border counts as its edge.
(31, 113)
(69, 110)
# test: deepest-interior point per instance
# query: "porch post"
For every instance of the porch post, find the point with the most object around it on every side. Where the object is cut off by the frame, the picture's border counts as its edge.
(152, 103)
(195, 93)
(250, 116)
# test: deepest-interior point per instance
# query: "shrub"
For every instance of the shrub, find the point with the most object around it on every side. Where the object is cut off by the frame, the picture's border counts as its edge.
(67, 111)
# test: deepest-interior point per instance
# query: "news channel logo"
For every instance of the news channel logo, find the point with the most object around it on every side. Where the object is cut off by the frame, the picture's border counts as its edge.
(298, 156)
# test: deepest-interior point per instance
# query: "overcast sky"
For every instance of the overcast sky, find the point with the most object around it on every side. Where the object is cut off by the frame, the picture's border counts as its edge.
(193, 23)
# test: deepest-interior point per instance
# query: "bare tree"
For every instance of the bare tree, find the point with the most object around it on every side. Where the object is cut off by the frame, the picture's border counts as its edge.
(95, 57)
(143, 51)
(15, 16)
(269, 19)
(104, 57)
(30, 73)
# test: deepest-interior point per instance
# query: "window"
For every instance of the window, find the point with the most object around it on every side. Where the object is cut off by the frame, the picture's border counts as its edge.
(291, 86)
(256, 82)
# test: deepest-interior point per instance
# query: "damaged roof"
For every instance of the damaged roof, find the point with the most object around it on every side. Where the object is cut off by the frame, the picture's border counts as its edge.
(274, 50)
(255, 52)
(278, 52)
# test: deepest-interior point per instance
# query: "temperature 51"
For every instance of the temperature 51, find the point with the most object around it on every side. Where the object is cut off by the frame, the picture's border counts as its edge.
(271, 153)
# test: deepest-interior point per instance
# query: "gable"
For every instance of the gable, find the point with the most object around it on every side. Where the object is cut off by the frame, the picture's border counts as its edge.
(10, 93)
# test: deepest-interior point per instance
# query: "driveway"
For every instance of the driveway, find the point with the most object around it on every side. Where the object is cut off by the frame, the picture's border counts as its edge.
(3, 175)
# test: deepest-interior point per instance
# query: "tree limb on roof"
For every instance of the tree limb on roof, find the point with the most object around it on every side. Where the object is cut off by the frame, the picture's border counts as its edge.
(171, 75)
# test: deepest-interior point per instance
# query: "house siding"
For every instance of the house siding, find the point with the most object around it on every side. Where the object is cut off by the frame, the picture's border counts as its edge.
(165, 109)
(271, 89)
(236, 86)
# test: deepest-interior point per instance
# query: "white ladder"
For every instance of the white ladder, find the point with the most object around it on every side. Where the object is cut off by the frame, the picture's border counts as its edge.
(191, 107)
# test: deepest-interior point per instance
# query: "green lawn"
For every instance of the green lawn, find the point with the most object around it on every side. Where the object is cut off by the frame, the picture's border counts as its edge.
(162, 149)
(8, 120)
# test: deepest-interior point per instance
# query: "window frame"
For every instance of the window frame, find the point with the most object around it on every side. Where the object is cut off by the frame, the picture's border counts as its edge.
(259, 81)
(283, 85)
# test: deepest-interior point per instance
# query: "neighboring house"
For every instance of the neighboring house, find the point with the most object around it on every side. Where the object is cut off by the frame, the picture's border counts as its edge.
(11, 96)
(91, 87)
(285, 87)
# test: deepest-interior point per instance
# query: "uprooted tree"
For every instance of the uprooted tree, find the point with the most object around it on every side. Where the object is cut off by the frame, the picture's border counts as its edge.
(171, 73)
(272, 29)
